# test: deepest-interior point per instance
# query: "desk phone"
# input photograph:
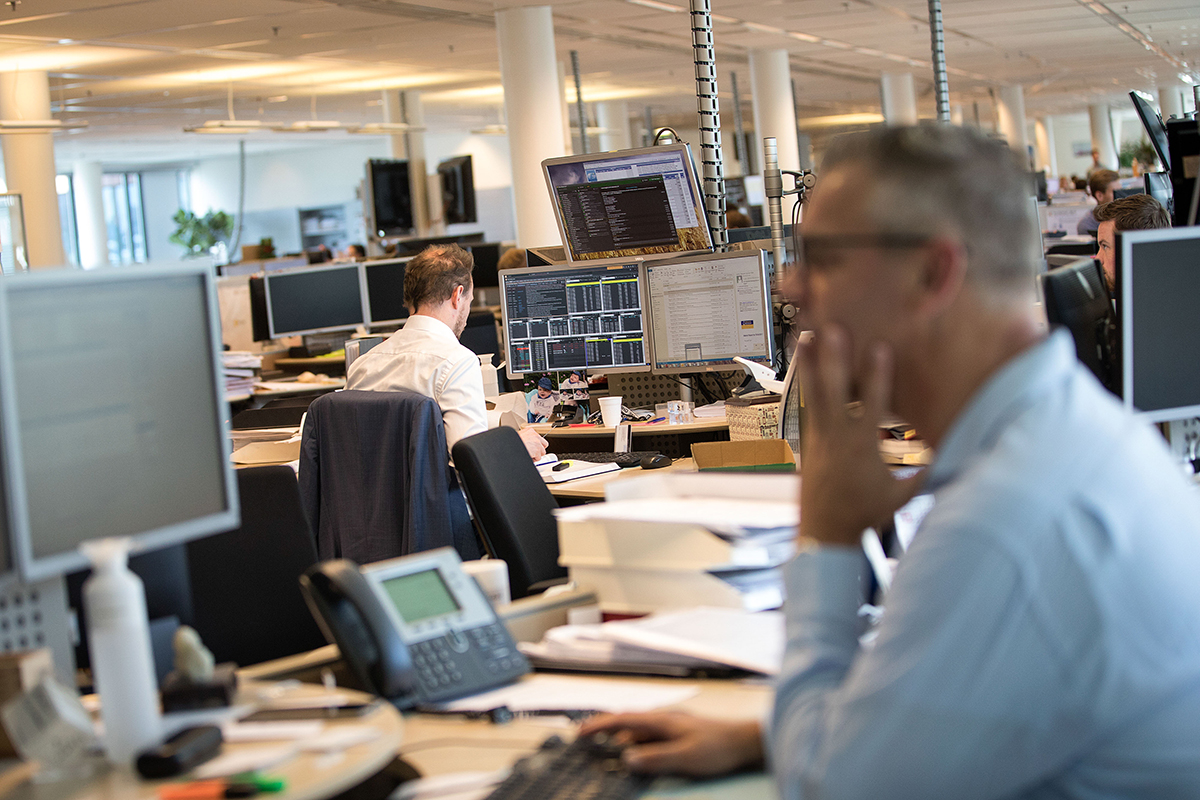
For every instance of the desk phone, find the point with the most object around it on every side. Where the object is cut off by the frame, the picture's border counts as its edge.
(415, 629)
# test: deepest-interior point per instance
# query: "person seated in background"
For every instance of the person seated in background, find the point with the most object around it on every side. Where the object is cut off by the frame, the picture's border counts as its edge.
(1100, 187)
(425, 355)
(1138, 212)
(1039, 638)
(736, 219)
(513, 258)
(355, 252)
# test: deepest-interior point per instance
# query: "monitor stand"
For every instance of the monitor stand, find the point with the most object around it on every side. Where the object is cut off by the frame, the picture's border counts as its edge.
(34, 615)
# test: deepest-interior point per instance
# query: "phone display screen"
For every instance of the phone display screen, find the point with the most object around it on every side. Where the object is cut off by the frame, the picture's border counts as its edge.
(421, 596)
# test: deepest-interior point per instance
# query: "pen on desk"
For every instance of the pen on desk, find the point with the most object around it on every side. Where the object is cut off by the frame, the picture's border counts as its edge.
(218, 789)
(656, 420)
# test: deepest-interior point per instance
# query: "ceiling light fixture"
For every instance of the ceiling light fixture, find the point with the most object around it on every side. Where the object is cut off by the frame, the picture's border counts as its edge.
(385, 128)
(38, 125)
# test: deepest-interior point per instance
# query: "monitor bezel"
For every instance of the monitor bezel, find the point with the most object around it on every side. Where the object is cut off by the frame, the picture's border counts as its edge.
(1126, 241)
(364, 289)
(693, 182)
(284, 274)
(35, 569)
(505, 275)
(1155, 128)
(729, 365)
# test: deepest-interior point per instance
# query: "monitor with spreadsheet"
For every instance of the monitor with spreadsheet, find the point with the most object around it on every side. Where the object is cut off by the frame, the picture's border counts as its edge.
(384, 289)
(112, 411)
(641, 203)
(707, 309)
(574, 317)
(314, 300)
(1158, 291)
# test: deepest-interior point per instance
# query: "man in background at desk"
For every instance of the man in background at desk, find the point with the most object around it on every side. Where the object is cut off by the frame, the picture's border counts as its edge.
(425, 355)
(1040, 637)
(1138, 212)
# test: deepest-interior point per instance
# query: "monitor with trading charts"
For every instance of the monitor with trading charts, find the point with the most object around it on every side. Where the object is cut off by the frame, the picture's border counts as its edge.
(574, 317)
(707, 309)
(628, 204)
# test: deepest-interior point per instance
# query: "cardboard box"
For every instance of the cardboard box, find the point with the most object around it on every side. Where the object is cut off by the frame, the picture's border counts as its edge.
(762, 455)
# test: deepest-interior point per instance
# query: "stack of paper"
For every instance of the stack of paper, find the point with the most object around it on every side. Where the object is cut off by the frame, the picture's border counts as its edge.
(568, 470)
(705, 540)
(241, 368)
(698, 638)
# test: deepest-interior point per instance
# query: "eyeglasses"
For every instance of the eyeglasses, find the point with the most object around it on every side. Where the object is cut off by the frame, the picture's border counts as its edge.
(815, 252)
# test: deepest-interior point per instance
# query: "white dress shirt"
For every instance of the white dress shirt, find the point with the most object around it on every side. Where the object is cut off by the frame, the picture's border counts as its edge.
(1041, 637)
(426, 357)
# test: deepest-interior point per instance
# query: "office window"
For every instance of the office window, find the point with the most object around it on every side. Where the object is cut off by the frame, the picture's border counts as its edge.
(65, 187)
(124, 217)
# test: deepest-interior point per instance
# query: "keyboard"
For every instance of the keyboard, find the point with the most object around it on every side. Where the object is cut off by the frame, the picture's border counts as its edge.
(586, 768)
(623, 460)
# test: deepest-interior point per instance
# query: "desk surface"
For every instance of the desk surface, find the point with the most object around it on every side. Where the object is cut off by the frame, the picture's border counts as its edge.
(309, 776)
(593, 488)
(442, 745)
(639, 428)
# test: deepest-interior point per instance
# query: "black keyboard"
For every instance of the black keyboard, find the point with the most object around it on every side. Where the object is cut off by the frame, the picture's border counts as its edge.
(623, 460)
(586, 768)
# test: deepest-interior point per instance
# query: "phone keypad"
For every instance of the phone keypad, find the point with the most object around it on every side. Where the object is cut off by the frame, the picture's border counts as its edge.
(435, 663)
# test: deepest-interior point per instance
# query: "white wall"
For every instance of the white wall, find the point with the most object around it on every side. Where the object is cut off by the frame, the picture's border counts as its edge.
(1069, 129)
(492, 170)
(160, 198)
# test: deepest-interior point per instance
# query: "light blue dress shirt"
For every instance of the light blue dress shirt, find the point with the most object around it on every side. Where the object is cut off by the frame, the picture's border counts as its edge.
(1042, 633)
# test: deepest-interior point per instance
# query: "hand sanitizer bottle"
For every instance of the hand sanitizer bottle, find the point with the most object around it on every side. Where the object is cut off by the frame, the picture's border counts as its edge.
(122, 661)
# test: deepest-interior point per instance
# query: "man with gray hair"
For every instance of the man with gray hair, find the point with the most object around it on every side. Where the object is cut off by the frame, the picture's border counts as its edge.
(1039, 638)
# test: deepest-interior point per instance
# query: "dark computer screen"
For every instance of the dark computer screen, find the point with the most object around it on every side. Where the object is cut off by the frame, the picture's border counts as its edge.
(314, 300)
(390, 197)
(113, 392)
(629, 203)
(1075, 298)
(1158, 293)
(1152, 122)
(572, 317)
(458, 190)
(706, 310)
(385, 291)
(486, 257)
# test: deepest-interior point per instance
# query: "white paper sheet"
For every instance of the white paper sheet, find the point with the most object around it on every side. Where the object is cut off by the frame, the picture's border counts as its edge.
(566, 693)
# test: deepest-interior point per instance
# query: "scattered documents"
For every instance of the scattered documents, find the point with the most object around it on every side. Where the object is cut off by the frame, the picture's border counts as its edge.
(698, 638)
(574, 469)
(711, 411)
(541, 693)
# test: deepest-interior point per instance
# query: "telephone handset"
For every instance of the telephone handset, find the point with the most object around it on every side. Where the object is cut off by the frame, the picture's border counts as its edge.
(415, 629)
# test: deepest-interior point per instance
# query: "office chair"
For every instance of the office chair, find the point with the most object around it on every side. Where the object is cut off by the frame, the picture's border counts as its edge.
(375, 481)
(246, 582)
(512, 508)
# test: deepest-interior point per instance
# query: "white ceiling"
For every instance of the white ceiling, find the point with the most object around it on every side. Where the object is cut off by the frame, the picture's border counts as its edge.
(140, 70)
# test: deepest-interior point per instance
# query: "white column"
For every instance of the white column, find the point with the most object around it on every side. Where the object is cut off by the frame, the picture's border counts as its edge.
(533, 107)
(89, 214)
(406, 107)
(29, 165)
(613, 117)
(1010, 111)
(1047, 158)
(774, 106)
(898, 94)
(1170, 100)
(1102, 135)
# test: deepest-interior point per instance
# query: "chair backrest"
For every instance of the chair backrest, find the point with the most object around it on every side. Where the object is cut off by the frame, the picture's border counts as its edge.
(512, 507)
(375, 479)
(246, 583)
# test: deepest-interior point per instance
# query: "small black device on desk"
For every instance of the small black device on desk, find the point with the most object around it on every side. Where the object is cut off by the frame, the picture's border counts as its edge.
(623, 460)
(415, 629)
(588, 767)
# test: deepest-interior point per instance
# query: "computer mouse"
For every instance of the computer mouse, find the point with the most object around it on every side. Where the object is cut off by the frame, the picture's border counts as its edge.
(656, 461)
(560, 466)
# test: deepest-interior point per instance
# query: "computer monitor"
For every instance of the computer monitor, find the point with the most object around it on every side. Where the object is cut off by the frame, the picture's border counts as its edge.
(112, 412)
(1158, 291)
(314, 300)
(1153, 123)
(458, 190)
(641, 203)
(707, 309)
(384, 288)
(574, 317)
(486, 256)
(389, 197)
(1074, 296)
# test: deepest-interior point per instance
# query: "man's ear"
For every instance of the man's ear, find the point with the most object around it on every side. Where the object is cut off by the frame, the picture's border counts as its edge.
(944, 272)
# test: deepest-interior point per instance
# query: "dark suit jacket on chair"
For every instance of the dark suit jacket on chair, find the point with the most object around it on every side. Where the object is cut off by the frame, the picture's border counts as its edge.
(375, 479)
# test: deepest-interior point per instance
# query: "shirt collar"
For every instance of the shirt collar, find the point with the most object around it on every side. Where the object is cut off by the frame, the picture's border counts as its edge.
(432, 325)
(1005, 395)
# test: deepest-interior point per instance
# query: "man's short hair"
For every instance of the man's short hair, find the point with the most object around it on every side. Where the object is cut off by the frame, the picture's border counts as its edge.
(513, 258)
(939, 179)
(1137, 212)
(1100, 179)
(431, 277)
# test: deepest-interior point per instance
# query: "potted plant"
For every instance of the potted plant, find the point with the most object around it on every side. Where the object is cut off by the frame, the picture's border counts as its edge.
(198, 235)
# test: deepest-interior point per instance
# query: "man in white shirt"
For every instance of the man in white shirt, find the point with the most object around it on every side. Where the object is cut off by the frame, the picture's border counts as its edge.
(425, 355)
(1039, 638)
